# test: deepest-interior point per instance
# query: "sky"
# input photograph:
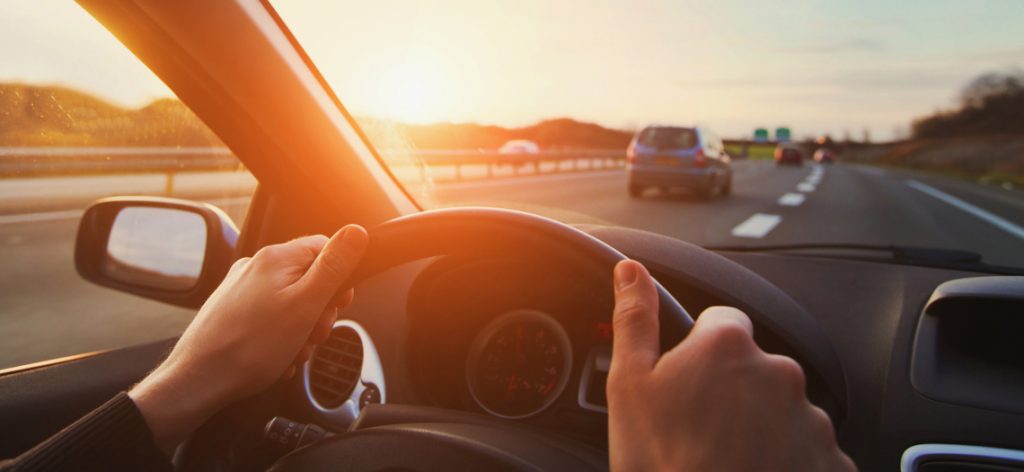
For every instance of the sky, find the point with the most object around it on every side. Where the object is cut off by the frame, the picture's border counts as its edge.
(816, 66)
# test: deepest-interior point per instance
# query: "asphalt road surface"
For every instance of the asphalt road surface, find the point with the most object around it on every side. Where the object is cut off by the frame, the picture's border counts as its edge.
(47, 311)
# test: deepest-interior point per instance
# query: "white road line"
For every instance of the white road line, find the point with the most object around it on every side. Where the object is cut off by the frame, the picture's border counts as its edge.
(996, 221)
(75, 214)
(805, 187)
(757, 226)
(791, 199)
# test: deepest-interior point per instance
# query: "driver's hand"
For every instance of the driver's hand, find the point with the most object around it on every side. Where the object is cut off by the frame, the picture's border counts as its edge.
(259, 325)
(714, 402)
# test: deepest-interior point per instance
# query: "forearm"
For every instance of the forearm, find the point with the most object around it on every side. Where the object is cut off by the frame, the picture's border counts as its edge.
(174, 402)
(114, 436)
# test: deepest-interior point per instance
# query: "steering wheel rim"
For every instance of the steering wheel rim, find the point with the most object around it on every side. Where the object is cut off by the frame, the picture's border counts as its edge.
(473, 231)
(470, 232)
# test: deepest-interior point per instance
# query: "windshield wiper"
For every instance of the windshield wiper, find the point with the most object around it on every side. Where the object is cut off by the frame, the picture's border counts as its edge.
(910, 255)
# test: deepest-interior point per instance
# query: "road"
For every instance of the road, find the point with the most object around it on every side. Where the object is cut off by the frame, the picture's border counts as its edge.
(47, 311)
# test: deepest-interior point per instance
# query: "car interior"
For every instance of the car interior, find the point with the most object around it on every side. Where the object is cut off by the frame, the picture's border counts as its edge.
(917, 360)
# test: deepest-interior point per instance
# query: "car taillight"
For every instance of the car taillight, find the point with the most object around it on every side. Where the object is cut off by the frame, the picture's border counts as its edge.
(700, 160)
(631, 154)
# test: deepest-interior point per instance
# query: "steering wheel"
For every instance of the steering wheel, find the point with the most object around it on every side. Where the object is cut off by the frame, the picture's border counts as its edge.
(471, 232)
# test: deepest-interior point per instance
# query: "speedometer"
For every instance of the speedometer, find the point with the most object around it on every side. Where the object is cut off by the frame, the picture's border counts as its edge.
(519, 364)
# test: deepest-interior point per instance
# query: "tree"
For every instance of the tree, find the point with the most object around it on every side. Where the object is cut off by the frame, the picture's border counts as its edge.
(989, 85)
(992, 103)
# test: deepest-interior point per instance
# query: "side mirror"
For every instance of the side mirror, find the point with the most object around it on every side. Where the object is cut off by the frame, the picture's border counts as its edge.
(174, 251)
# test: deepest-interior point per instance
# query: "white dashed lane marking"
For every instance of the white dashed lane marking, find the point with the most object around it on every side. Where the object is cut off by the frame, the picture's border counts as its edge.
(805, 187)
(757, 226)
(792, 199)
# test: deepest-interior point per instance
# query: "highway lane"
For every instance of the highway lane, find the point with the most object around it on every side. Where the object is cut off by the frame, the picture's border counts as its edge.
(46, 310)
(845, 204)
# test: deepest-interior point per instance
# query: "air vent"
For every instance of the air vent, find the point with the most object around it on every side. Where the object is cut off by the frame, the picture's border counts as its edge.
(336, 367)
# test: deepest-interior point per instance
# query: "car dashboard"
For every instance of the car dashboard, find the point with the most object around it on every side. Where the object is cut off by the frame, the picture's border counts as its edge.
(523, 341)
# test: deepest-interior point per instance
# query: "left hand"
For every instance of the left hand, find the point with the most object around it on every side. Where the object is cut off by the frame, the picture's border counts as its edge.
(260, 324)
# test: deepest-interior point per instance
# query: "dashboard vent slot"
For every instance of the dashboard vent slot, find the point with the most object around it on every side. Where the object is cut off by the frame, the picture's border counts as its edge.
(336, 367)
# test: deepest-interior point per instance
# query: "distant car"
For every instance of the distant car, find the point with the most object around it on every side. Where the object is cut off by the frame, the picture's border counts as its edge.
(789, 154)
(824, 156)
(519, 146)
(667, 157)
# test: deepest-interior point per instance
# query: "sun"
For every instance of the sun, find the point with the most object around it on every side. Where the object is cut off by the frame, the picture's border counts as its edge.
(417, 89)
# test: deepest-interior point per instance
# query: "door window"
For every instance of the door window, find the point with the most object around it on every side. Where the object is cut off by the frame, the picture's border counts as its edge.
(81, 118)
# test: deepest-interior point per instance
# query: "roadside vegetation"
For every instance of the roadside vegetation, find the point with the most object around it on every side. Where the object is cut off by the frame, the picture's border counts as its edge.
(32, 115)
(982, 138)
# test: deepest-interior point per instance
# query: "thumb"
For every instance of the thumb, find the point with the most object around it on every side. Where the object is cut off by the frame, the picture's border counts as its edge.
(635, 319)
(335, 263)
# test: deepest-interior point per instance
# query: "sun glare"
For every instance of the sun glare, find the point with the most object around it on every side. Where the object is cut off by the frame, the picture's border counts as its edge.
(417, 89)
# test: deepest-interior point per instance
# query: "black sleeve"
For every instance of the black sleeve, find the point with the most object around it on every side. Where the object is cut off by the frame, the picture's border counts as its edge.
(112, 437)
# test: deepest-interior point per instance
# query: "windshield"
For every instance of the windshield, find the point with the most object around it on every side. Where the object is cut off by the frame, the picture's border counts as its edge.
(920, 106)
(667, 138)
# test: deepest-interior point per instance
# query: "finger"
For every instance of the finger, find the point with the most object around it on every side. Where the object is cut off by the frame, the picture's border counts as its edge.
(322, 329)
(336, 261)
(725, 327)
(304, 354)
(291, 259)
(239, 264)
(716, 316)
(343, 299)
(635, 319)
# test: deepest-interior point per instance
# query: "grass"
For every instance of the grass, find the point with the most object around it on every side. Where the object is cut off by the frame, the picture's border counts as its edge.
(754, 151)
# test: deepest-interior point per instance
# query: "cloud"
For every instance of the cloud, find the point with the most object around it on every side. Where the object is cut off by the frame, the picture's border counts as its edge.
(876, 79)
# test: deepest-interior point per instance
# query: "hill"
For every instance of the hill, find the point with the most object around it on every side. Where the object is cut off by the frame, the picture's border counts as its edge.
(32, 115)
(561, 133)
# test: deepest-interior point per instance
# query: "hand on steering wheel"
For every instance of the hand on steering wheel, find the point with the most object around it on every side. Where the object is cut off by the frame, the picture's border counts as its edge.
(713, 402)
(260, 323)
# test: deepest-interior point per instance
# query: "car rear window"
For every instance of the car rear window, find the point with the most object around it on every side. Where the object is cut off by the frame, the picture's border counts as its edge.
(668, 138)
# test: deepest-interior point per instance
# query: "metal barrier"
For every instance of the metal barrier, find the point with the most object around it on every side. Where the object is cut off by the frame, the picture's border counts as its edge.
(492, 161)
(67, 161)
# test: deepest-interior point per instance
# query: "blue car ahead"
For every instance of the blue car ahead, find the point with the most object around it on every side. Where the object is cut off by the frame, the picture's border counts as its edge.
(667, 157)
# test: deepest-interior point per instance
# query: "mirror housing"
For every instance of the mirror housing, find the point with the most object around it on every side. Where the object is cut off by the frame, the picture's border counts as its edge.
(170, 250)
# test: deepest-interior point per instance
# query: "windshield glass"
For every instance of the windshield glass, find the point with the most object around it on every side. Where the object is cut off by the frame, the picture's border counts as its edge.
(868, 123)
(667, 138)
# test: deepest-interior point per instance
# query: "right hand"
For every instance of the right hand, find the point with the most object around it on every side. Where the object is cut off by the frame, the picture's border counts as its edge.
(714, 402)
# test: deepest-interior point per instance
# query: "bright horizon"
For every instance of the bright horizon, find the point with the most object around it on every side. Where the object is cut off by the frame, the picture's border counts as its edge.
(813, 66)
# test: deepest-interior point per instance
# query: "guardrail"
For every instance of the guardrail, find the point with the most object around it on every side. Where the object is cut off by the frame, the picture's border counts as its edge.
(64, 161)
(491, 163)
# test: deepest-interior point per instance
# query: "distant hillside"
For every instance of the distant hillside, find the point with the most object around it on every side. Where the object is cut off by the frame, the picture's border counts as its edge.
(33, 115)
(561, 133)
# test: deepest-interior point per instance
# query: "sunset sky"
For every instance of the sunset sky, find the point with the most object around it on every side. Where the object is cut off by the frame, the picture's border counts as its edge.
(817, 66)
